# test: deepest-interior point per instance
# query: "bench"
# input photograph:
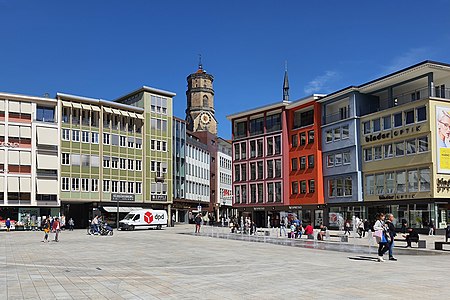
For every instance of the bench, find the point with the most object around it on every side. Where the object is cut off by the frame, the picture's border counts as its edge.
(263, 231)
(343, 237)
(420, 243)
(438, 245)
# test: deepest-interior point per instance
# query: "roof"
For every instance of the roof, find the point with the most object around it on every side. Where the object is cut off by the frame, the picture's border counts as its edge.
(25, 97)
(311, 98)
(99, 102)
(259, 109)
(150, 90)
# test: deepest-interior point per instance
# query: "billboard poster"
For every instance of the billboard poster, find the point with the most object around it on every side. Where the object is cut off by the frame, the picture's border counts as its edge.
(443, 139)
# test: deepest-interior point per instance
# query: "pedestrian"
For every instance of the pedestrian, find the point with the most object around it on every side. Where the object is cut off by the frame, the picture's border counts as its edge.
(8, 224)
(62, 222)
(392, 234)
(447, 233)
(347, 227)
(404, 224)
(282, 227)
(299, 231)
(361, 230)
(380, 234)
(71, 224)
(309, 231)
(293, 230)
(431, 225)
(46, 228)
(94, 224)
(322, 232)
(412, 236)
(198, 222)
(56, 228)
(366, 227)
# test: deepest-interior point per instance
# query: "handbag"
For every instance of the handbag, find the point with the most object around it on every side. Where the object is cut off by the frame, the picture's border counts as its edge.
(387, 237)
(378, 233)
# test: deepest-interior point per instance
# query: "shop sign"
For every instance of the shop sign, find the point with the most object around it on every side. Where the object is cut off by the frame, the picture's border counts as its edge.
(392, 197)
(9, 145)
(158, 197)
(443, 185)
(392, 134)
(258, 208)
(122, 197)
(295, 207)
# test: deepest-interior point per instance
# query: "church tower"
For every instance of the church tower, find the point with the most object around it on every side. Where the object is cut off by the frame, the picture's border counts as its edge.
(200, 102)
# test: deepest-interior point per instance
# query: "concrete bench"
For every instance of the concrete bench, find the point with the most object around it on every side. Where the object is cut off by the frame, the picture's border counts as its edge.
(439, 245)
(263, 231)
(420, 243)
(343, 237)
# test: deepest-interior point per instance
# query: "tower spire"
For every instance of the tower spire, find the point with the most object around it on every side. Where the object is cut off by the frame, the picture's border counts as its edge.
(200, 66)
(285, 84)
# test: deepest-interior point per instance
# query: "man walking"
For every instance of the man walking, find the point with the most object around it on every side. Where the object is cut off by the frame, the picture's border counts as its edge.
(198, 222)
(392, 233)
(56, 227)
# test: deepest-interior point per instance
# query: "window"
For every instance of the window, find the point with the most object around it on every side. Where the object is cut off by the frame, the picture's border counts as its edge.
(114, 163)
(138, 143)
(304, 118)
(337, 133)
(130, 187)
(64, 184)
(270, 192)
(75, 184)
(130, 164)
(311, 137)
(277, 191)
(122, 185)
(338, 159)
(377, 153)
(379, 184)
(138, 187)
(260, 169)
(312, 186)
(401, 181)
(423, 144)
(75, 135)
(240, 129)
(346, 158)
(273, 122)
(398, 120)
(303, 187)
(94, 185)
(331, 188)
(106, 186)
(253, 171)
(294, 164)
(421, 114)
(310, 161)
(409, 117)
(390, 182)
(259, 147)
(114, 186)
(348, 186)
(106, 138)
(277, 140)
(45, 114)
(122, 141)
(387, 122)
(329, 136)
(236, 151)
(376, 125)
(138, 165)
(368, 154)
(85, 137)
(339, 187)
(257, 126)
(366, 127)
(94, 137)
(400, 148)
(411, 146)
(294, 140)
(270, 169)
(303, 139)
(252, 149)
(84, 185)
(244, 172)
(302, 162)
(66, 134)
(123, 164)
(278, 168)
(243, 150)
(388, 151)
(413, 182)
(424, 180)
(330, 160)
(294, 185)
(65, 159)
(370, 182)
(345, 132)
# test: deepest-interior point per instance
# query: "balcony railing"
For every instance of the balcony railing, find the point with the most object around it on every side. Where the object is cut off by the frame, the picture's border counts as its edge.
(414, 95)
(343, 114)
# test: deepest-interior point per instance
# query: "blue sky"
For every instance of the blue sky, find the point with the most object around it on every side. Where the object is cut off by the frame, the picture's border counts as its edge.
(104, 49)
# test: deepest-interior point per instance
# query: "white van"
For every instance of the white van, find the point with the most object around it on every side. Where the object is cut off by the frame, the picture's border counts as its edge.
(145, 219)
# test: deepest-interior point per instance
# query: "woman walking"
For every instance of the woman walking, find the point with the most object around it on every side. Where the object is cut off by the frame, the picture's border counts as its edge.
(46, 230)
(380, 234)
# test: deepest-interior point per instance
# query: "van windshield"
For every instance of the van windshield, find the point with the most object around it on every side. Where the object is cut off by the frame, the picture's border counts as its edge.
(129, 217)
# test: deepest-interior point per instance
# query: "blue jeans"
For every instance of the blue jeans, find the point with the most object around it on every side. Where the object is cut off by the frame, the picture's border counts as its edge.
(391, 248)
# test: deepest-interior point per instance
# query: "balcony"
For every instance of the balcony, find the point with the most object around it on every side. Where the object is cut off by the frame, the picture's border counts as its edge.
(414, 95)
(342, 114)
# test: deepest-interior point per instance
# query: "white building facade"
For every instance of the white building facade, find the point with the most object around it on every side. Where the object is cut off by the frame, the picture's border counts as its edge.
(224, 179)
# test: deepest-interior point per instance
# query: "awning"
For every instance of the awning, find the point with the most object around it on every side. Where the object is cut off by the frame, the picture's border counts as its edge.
(125, 209)
(14, 106)
(13, 184)
(47, 136)
(139, 116)
(86, 106)
(66, 104)
(25, 158)
(25, 132)
(14, 130)
(124, 113)
(76, 105)
(25, 107)
(132, 114)
(2, 156)
(2, 129)
(116, 111)
(25, 184)
(2, 184)
(47, 186)
(95, 108)
(47, 161)
(2, 105)
(108, 110)
(14, 157)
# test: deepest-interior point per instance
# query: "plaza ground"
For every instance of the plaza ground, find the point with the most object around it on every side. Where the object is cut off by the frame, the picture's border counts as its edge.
(166, 264)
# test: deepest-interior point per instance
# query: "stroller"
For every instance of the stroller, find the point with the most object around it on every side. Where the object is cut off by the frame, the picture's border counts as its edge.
(105, 229)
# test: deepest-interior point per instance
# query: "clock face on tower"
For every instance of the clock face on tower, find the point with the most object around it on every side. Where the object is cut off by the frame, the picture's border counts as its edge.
(205, 119)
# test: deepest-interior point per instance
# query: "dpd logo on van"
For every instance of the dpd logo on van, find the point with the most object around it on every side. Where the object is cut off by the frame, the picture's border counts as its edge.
(148, 217)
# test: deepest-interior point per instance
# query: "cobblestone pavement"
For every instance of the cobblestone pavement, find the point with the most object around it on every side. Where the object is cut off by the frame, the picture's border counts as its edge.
(164, 264)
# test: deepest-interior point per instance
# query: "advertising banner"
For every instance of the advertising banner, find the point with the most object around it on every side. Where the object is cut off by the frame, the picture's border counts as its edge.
(443, 139)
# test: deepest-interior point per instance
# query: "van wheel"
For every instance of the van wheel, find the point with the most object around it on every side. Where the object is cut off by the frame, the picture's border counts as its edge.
(158, 227)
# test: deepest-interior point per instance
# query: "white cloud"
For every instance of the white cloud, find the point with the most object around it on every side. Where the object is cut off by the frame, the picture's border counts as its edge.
(321, 83)
(409, 58)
